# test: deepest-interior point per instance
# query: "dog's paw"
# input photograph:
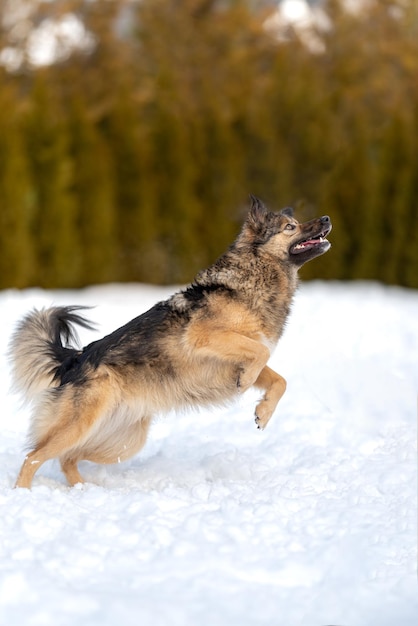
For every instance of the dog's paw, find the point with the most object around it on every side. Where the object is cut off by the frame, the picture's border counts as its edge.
(261, 424)
(263, 413)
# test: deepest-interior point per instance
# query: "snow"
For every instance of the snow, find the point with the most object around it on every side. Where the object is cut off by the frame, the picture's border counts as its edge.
(310, 522)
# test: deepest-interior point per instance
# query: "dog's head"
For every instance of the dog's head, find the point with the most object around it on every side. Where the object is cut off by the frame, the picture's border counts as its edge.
(281, 235)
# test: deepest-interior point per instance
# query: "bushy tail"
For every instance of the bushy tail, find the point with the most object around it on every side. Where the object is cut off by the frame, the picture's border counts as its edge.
(39, 346)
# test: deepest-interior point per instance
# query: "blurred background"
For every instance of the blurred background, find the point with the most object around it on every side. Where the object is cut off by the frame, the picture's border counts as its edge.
(132, 132)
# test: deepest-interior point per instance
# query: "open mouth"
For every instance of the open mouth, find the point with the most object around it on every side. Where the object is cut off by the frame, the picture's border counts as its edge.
(312, 242)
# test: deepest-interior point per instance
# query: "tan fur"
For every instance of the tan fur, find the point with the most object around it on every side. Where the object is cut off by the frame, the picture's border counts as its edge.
(202, 347)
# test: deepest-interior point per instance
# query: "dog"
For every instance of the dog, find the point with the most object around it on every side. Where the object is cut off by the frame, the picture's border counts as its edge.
(201, 347)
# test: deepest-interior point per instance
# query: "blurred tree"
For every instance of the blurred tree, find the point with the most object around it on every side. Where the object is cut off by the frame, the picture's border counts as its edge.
(16, 195)
(55, 231)
(137, 152)
(94, 194)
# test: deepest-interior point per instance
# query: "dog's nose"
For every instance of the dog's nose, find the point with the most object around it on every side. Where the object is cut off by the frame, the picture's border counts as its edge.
(325, 219)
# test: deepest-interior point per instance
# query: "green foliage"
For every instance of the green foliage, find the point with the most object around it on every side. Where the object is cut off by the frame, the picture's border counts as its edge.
(54, 228)
(16, 199)
(94, 193)
(132, 160)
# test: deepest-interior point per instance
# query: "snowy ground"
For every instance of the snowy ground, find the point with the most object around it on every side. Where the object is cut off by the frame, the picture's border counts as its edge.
(311, 522)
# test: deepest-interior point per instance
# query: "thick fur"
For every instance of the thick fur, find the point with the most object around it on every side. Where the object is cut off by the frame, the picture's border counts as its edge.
(203, 346)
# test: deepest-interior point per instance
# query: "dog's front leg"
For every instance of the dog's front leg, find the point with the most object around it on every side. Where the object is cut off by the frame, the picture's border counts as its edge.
(274, 386)
(248, 354)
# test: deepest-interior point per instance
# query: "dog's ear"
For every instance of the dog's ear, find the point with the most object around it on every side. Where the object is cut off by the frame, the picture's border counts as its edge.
(257, 214)
(287, 211)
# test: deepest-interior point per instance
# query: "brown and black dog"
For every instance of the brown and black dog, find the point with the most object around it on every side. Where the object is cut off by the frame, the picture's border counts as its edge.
(203, 346)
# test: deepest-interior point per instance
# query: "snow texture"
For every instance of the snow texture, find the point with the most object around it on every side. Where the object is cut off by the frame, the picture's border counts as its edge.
(310, 522)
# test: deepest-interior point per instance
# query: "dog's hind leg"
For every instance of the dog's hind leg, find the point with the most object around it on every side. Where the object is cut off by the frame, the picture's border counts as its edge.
(274, 386)
(70, 470)
(109, 445)
(33, 462)
(117, 444)
(70, 423)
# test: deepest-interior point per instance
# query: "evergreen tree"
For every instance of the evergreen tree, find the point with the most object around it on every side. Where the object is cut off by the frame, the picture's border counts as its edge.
(16, 196)
(94, 194)
(55, 212)
(136, 155)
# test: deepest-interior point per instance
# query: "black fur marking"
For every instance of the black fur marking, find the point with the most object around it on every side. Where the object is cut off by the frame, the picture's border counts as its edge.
(196, 293)
(69, 362)
(135, 343)
(63, 319)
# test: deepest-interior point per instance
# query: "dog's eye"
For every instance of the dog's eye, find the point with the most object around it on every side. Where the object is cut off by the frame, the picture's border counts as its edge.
(290, 227)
